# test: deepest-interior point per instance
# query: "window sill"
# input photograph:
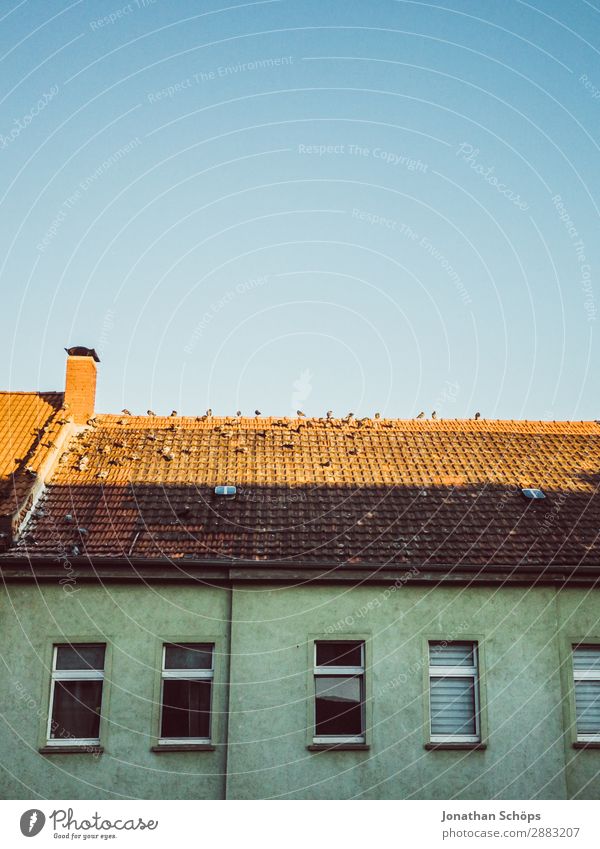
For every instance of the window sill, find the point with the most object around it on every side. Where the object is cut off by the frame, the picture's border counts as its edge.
(586, 744)
(336, 747)
(181, 747)
(459, 747)
(71, 750)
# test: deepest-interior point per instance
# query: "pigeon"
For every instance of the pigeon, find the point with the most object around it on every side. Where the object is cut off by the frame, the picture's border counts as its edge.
(477, 415)
(173, 412)
(434, 415)
(377, 415)
(300, 414)
(350, 416)
(329, 414)
(208, 413)
(421, 415)
(238, 413)
(126, 412)
(150, 412)
(257, 412)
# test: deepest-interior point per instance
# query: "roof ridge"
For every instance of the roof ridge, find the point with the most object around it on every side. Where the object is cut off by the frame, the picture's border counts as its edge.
(31, 392)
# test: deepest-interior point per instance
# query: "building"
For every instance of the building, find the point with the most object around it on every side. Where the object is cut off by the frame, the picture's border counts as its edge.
(202, 607)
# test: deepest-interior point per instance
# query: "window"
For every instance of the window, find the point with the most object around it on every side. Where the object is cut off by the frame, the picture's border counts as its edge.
(187, 678)
(339, 692)
(76, 695)
(586, 671)
(453, 692)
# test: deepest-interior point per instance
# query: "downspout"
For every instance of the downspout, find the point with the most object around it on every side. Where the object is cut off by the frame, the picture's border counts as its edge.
(227, 688)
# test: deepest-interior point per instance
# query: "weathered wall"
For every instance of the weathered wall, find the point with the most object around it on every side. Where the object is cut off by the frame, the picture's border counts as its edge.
(521, 680)
(526, 680)
(135, 620)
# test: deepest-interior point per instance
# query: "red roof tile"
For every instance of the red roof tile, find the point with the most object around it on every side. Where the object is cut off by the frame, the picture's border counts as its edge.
(29, 423)
(444, 492)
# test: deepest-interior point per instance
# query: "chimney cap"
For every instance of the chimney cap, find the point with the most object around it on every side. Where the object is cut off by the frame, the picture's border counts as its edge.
(82, 351)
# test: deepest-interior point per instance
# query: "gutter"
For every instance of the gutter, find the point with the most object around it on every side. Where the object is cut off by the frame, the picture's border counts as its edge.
(50, 568)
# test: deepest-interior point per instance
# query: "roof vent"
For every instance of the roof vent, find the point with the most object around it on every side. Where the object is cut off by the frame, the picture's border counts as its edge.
(225, 490)
(533, 494)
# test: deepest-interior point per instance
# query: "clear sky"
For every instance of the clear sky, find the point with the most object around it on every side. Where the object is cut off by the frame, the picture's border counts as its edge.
(293, 204)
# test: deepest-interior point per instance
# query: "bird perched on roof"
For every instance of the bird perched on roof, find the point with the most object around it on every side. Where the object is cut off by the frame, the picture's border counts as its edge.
(126, 412)
(477, 415)
(421, 415)
(150, 412)
(238, 413)
(349, 417)
(208, 413)
(329, 414)
(377, 416)
(300, 414)
(173, 412)
(434, 415)
(257, 412)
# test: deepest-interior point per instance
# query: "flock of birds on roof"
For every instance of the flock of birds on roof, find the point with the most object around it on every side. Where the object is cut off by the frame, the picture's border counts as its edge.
(299, 413)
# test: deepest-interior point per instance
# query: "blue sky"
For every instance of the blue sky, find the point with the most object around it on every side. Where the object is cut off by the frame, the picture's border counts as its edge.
(359, 206)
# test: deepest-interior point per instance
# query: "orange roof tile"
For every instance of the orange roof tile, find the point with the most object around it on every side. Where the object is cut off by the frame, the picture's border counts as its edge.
(393, 491)
(29, 423)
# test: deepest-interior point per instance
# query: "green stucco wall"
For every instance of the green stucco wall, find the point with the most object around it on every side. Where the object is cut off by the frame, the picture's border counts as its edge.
(134, 621)
(524, 637)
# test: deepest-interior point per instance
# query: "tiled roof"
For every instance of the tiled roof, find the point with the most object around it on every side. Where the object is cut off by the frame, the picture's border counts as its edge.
(397, 492)
(29, 422)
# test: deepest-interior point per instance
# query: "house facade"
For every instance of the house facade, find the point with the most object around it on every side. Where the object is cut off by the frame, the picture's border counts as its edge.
(249, 608)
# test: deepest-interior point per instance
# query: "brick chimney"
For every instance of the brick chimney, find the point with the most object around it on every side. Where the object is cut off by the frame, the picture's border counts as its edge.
(80, 383)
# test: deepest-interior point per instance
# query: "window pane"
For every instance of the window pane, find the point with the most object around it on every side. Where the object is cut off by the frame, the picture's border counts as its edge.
(587, 706)
(339, 653)
(76, 709)
(188, 656)
(587, 657)
(81, 656)
(338, 706)
(186, 708)
(451, 654)
(452, 706)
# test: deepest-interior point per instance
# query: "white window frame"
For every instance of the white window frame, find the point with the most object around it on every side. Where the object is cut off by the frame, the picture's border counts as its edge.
(456, 672)
(86, 674)
(341, 672)
(188, 675)
(584, 675)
